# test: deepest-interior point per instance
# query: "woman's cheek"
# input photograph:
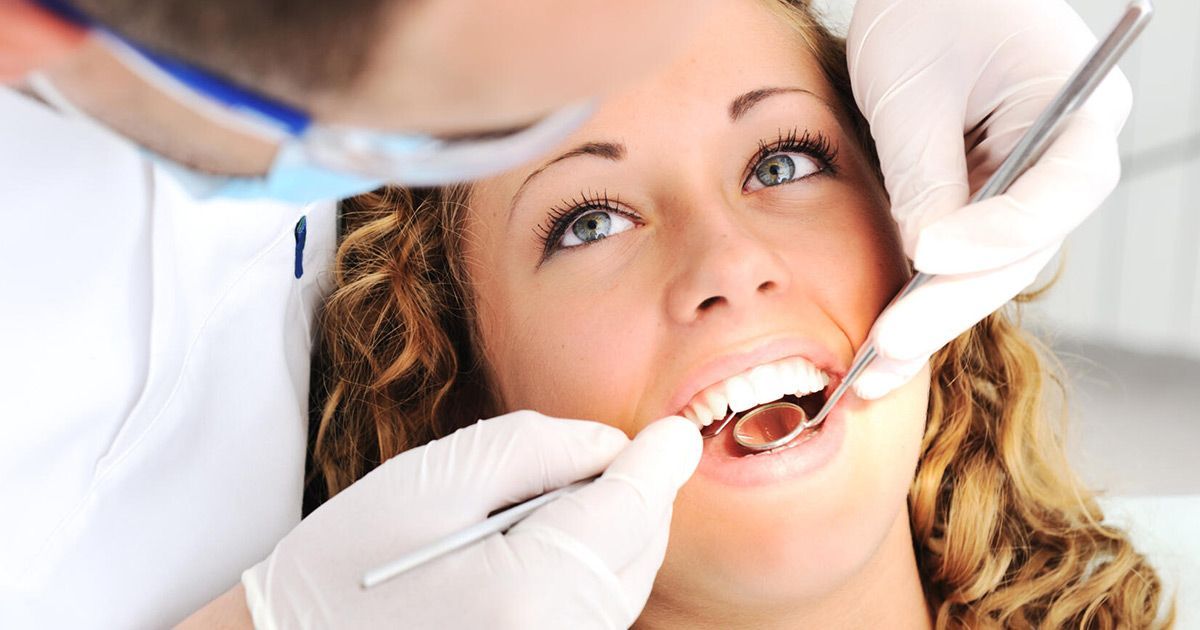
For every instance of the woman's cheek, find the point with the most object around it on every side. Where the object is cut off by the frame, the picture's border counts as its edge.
(893, 430)
(580, 359)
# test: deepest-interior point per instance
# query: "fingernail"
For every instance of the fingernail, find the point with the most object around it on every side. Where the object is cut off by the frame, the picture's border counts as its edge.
(872, 386)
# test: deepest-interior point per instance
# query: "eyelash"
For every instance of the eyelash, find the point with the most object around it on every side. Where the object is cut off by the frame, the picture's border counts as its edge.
(560, 217)
(813, 144)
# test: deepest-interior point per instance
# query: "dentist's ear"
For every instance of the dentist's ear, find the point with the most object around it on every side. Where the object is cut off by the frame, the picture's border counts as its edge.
(32, 38)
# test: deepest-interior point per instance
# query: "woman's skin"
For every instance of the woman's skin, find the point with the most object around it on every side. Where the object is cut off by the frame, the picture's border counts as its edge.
(696, 267)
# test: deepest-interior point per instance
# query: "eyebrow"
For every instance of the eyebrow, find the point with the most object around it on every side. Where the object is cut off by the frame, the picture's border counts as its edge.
(614, 151)
(745, 102)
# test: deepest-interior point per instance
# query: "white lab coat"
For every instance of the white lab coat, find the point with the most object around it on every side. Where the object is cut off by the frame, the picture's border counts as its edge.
(154, 357)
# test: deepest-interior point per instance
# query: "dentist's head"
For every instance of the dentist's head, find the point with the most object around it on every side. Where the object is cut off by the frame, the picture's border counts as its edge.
(412, 91)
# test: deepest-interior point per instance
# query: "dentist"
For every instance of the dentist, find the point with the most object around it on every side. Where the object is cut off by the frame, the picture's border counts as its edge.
(167, 177)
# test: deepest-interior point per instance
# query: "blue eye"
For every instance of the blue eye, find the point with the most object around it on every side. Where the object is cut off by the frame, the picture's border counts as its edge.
(592, 226)
(780, 168)
(791, 157)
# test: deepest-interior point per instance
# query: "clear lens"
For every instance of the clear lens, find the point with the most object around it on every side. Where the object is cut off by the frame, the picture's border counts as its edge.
(406, 159)
(418, 160)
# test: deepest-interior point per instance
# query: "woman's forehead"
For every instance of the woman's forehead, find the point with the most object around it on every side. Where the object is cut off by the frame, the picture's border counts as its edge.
(746, 60)
(752, 48)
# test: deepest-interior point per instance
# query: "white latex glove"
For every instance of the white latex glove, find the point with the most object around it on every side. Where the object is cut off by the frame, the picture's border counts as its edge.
(936, 76)
(587, 560)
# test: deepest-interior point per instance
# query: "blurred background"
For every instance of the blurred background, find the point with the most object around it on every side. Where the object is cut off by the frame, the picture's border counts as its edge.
(1124, 316)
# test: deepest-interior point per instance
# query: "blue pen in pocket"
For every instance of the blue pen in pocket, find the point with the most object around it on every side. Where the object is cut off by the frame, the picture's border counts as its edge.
(301, 234)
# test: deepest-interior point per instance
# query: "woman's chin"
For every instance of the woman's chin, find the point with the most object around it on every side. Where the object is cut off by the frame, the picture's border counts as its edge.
(799, 530)
(767, 547)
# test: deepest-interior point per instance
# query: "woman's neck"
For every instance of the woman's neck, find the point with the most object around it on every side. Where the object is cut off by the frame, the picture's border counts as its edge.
(887, 593)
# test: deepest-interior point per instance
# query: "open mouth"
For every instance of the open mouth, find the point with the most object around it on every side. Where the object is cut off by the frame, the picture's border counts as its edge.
(794, 380)
(772, 419)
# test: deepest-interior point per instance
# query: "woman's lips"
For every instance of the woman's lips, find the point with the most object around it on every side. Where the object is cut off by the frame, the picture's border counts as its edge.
(726, 462)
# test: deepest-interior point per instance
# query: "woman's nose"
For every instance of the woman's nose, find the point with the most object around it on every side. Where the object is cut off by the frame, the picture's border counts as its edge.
(732, 270)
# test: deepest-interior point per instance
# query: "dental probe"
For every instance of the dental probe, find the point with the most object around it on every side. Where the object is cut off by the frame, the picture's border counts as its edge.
(498, 522)
(1028, 151)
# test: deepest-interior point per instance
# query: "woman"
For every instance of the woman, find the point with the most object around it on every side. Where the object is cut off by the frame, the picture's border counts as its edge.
(718, 237)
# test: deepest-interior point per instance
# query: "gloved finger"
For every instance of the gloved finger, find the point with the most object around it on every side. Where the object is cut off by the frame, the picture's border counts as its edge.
(456, 481)
(637, 578)
(542, 575)
(921, 153)
(943, 308)
(510, 582)
(885, 375)
(1049, 200)
(988, 91)
(615, 520)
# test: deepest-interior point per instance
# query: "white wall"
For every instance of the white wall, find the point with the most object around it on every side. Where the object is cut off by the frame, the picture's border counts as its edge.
(1132, 271)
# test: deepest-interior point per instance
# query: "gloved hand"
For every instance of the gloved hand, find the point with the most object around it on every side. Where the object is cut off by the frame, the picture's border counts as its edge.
(949, 88)
(585, 560)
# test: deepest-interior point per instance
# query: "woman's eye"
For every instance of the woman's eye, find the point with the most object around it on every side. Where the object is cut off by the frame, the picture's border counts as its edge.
(780, 168)
(593, 226)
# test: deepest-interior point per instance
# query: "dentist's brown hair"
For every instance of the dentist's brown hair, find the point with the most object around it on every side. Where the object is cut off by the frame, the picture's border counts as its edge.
(295, 45)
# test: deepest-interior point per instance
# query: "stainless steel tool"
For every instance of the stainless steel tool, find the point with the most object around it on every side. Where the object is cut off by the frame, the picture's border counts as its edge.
(1028, 151)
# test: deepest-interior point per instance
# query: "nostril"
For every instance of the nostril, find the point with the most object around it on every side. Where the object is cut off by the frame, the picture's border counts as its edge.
(710, 302)
(767, 286)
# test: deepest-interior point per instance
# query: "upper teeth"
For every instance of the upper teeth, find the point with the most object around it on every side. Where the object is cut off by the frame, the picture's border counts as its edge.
(758, 385)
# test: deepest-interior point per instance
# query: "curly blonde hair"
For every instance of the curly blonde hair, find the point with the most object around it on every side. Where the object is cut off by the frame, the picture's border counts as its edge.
(1005, 535)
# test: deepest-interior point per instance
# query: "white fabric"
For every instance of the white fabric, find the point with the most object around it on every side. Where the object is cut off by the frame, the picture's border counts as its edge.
(153, 383)
(585, 560)
(1167, 531)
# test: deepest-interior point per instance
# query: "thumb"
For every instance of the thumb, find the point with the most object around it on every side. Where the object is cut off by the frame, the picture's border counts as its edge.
(614, 520)
(923, 168)
(885, 375)
(1054, 196)
(457, 480)
(934, 314)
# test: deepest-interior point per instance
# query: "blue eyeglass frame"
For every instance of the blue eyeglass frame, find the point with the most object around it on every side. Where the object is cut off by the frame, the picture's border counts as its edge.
(285, 117)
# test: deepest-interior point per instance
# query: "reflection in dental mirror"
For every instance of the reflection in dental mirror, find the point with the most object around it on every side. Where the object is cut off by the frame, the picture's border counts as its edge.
(768, 423)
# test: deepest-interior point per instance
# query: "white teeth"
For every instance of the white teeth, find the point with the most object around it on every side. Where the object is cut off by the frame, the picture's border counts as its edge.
(767, 384)
(714, 398)
(809, 379)
(789, 372)
(758, 385)
(740, 393)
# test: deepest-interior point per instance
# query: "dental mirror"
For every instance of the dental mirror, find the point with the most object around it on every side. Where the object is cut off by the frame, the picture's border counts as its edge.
(769, 426)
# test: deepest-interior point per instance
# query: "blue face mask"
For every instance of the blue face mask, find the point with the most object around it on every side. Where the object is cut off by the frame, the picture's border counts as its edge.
(290, 180)
(314, 161)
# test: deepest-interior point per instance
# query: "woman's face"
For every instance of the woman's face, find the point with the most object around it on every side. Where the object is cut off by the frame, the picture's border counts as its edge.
(715, 218)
